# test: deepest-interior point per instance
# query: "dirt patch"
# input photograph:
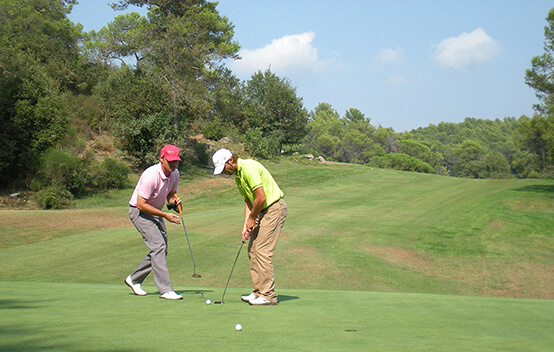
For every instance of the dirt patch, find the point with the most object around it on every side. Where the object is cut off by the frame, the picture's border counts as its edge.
(530, 205)
(66, 219)
(526, 280)
(304, 257)
(402, 257)
(487, 277)
(496, 224)
(203, 185)
(25, 227)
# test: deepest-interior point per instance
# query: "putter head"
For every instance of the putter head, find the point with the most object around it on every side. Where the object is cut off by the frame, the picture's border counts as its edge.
(219, 302)
(196, 276)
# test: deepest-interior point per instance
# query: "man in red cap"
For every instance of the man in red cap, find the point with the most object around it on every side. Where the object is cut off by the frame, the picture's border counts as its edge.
(156, 185)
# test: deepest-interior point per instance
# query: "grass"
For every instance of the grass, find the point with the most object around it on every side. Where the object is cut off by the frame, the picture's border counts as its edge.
(103, 317)
(412, 262)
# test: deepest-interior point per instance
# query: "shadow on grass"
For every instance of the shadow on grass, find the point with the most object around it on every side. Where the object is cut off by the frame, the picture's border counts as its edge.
(537, 189)
(15, 304)
(16, 338)
(182, 292)
(193, 292)
(284, 298)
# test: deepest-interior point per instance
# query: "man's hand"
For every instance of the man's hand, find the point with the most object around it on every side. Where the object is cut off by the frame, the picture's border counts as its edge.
(172, 206)
(171, 217)
(173, 203)
(245, 233)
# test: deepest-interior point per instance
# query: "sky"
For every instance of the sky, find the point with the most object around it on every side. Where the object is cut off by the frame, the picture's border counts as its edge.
(404, 64)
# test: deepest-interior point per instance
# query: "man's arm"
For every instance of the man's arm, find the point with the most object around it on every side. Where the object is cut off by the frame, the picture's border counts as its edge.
(143, 206)
(251, 211)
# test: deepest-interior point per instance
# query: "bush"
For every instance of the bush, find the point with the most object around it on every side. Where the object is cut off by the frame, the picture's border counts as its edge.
(399, 161)
(201, 154)
(63, 176)
(214, 130)
(143, 138)
(496, 165)
(258, 145)
(111, 174)
(62, 169)
(54, 197)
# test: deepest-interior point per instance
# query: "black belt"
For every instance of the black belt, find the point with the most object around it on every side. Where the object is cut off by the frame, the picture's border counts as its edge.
(271, 204)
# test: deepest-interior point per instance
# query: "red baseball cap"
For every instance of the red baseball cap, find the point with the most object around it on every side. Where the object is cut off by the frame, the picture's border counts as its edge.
(170, 152)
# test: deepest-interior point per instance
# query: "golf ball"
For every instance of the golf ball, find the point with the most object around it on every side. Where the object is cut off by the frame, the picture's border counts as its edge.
(238, 327)
(208, 301)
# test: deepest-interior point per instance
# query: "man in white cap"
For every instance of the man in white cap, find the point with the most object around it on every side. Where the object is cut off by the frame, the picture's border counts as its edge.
(156, 185)
(265, 212)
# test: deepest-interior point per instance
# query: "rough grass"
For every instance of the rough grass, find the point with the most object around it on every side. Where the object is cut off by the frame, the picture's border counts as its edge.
(349, 227)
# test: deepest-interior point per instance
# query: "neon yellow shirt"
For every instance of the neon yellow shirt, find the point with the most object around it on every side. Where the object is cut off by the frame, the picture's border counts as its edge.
(252, 175)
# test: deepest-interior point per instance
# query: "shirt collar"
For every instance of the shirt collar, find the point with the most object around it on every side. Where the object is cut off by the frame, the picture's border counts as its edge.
(161, 172)
(239, 167)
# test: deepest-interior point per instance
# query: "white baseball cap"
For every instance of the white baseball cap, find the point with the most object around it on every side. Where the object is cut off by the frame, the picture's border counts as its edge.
(219, 158)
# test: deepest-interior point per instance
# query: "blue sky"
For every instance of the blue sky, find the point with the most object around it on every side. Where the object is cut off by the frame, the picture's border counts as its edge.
(403, 63)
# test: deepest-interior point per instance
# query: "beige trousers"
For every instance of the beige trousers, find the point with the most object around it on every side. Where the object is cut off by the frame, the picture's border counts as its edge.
(263, 241)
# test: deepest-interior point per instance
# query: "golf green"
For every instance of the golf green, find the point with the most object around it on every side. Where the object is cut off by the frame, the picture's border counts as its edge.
(102, 317)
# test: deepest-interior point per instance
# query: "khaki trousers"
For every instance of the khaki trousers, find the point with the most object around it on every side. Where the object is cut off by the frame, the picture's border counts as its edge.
(263, 241)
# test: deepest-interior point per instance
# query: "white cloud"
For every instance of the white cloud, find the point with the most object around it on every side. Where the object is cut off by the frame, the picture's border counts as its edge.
(467, 49)
(291, 52)
(390, 56)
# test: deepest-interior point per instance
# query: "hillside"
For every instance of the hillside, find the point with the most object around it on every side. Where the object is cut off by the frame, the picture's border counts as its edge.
(349, 227)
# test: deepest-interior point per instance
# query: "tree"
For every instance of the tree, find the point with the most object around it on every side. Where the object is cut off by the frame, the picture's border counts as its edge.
(181, 46)
(541, 75)
(356, 145)
(324, 131)
(496, 165)
(468, 161)
(228, 114)
(127, 95)
(273, 106)
(38, 57)
(421, 151)
(122, 38)
(537, 137)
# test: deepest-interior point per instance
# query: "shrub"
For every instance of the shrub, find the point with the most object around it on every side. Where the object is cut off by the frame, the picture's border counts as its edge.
(201, 154)
(143, 138)
(214, 130)
(258, 145)
(54, 197)
(111, 174)
(62, 169)
(399, 161)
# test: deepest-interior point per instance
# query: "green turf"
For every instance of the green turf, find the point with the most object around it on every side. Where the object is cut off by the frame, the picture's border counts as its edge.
(102, 317)
(349, 226)
(398, 257)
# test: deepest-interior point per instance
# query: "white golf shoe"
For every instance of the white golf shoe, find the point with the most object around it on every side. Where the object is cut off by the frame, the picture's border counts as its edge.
(248, 298)
(137, 288)
(171, 295)
(261, 301)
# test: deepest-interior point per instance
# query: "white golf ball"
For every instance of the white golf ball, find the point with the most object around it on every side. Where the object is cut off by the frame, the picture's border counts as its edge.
(208, 301)
(238, 327)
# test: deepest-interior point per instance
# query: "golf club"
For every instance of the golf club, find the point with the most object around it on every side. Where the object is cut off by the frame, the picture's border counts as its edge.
(231, 273)
(195, 275)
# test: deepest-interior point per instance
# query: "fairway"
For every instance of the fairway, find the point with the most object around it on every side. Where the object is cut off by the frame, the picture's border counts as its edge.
(100, 317)
(369, 260)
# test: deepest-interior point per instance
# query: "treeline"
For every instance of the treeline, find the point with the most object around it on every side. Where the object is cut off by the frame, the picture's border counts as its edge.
(141, 82)
(475, 148)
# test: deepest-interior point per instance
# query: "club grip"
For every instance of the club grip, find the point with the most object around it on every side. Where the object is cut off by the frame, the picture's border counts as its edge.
(178, 205)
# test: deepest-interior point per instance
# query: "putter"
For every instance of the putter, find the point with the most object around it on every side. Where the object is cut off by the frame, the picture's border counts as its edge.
(231, 273)
(195, 275)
